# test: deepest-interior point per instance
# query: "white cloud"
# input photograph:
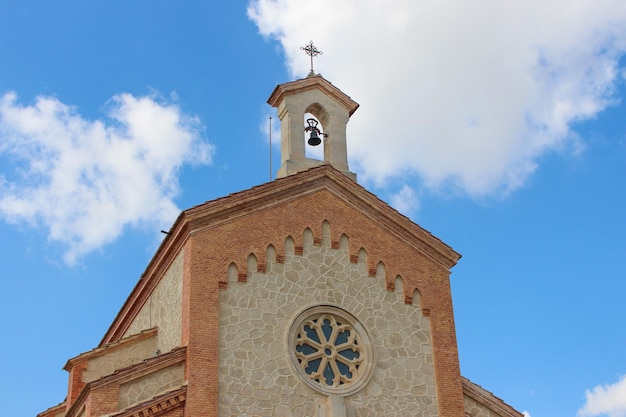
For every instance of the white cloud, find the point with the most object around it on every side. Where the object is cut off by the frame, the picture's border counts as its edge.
(405, 200)
(84, 181)
(462, 95)
(525, 413)
(605, 400)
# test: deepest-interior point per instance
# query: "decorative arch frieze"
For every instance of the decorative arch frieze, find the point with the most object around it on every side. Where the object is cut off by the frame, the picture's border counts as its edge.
(276, 252)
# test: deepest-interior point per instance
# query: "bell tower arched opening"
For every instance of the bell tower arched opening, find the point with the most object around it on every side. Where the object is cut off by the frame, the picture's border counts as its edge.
(315, 119)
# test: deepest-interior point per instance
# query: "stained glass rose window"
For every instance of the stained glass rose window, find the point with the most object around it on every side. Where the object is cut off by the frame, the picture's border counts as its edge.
(330, 350)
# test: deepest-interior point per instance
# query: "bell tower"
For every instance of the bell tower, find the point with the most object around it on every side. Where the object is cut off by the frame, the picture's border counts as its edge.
(332, 108)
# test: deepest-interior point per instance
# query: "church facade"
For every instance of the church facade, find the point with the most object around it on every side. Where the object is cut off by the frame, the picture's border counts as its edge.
(304, 296)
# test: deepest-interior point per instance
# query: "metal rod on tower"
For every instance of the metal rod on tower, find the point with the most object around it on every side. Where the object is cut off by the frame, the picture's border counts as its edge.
(270, 148)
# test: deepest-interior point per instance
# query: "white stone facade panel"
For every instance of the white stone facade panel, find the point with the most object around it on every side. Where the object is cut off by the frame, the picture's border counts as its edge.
(256, 377)
(149, 386)
(163, 309)
(118, 358)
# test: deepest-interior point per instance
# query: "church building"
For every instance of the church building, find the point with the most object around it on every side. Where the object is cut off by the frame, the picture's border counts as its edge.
(304, 296)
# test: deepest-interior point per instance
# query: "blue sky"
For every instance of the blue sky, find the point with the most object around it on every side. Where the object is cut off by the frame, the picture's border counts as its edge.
(499, 127)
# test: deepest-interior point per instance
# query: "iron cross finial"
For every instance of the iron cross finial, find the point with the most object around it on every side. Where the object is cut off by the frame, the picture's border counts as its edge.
(311, 51)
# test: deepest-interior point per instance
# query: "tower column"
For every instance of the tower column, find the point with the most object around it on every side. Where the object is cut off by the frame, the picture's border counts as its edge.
(335, 145)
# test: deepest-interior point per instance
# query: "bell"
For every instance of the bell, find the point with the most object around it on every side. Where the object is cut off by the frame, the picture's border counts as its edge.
(314, 139)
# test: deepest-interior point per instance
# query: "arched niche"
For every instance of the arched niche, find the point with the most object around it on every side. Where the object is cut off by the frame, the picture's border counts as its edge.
(398, 286)
(290, 246)
(362, 256)
(233, 272)
(380, 270)
(326, 233)
(417, 298)
(270, 254)
(307, 238)
(344, 242)
(251, 265)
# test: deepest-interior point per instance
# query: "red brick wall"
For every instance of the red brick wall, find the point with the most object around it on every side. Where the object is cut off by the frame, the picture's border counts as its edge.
(75, 382)
(102, 400)
(201, 312)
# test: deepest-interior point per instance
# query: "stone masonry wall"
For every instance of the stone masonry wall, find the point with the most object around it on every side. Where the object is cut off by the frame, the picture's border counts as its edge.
(256, 377)
(475, 409)
(163, 308)
(149, 386)
(115, 359)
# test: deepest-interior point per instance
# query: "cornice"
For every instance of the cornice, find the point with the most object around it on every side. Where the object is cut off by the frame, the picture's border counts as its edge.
(311, 83)
(145, 334)
(324, 177)
(484, 397)
(146, 367)
(53, 411)
(157, 406)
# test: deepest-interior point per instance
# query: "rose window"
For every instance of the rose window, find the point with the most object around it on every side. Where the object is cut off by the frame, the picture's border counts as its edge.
(330, 350)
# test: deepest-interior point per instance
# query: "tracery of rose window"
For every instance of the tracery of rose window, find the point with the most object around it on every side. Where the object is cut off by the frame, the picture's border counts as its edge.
(328, 350)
